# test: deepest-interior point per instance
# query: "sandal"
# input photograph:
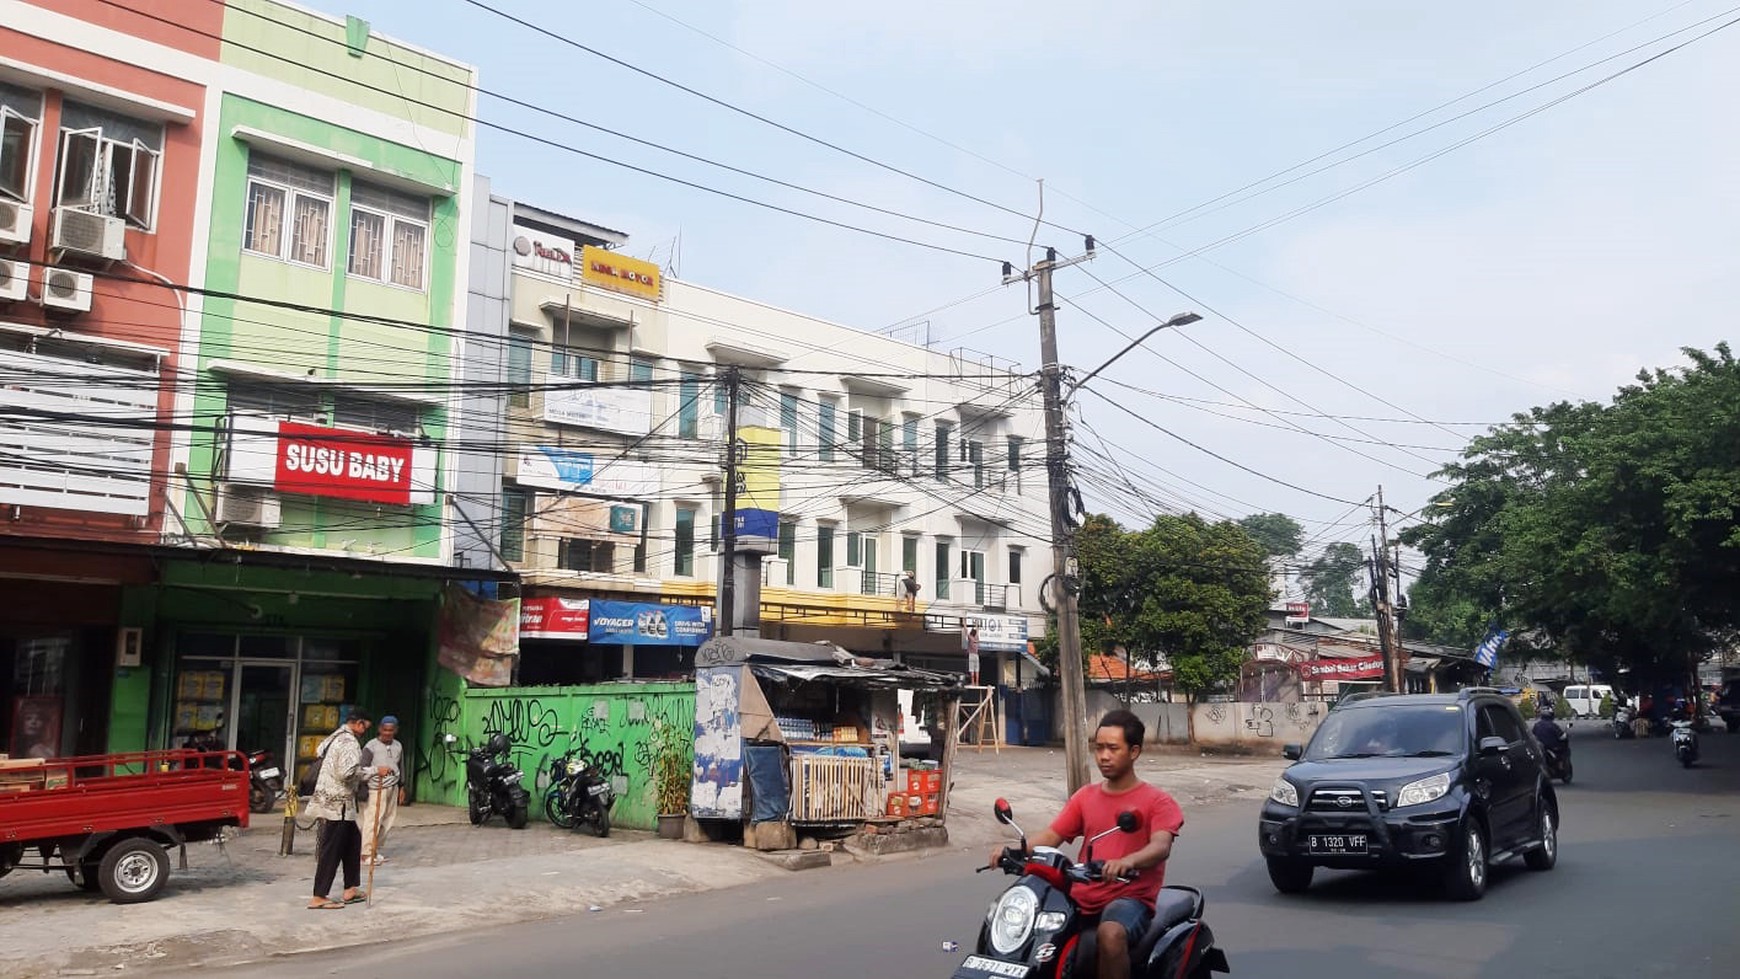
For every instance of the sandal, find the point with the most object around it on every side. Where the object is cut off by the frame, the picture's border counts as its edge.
(326, 905)
(356, 898)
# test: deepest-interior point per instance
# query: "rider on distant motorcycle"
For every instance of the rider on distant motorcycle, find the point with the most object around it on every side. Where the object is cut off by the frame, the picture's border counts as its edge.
(1546, 731)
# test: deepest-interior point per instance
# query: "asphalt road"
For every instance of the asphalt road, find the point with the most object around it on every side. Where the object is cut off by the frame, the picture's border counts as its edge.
(1648, 883)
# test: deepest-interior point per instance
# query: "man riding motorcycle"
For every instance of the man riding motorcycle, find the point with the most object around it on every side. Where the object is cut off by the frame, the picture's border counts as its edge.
(1546, 731)
(1125, 908)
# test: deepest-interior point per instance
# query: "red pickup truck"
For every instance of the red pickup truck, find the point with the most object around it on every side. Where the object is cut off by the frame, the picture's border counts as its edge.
(109, 821)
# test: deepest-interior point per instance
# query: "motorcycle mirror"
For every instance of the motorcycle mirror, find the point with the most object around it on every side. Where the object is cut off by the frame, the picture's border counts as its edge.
(1127, 822)
(1005, 815)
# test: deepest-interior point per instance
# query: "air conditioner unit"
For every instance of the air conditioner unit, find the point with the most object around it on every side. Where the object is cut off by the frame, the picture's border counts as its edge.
(66, 290)
(247, 506)
(15, 219)
(14, 280)
(89, 234)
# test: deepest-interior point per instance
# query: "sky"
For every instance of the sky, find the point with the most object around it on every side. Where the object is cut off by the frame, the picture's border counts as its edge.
(1501, 250)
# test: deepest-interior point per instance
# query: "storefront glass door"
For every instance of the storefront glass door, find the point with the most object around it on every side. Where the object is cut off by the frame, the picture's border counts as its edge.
(263, 710)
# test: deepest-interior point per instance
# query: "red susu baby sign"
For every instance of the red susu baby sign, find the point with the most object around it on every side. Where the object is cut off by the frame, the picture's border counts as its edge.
(347, 465)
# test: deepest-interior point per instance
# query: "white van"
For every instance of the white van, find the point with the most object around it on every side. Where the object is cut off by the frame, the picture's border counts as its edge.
(1585, 699)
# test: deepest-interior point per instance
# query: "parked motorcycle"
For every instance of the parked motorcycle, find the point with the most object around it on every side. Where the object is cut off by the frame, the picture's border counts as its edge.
(1685, 741)
(1035, 929)
(1623, 721)
(265, 781)
(579, 794)
(493, 783)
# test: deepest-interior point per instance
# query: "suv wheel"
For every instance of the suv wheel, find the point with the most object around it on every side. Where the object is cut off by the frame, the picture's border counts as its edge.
(1544, 856)
(1465, 874)
(1290, 876)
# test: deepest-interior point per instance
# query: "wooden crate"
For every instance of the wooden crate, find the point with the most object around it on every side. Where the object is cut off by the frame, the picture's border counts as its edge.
(828, 789)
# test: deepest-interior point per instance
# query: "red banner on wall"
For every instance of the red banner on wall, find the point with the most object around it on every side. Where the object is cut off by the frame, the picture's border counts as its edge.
(554, 617)
(1364, 668)
(347, 465)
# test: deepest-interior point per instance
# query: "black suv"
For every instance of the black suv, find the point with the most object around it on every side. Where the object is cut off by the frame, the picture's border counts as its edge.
(1453, 781)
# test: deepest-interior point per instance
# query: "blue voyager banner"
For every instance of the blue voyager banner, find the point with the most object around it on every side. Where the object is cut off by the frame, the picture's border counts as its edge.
(648, 624)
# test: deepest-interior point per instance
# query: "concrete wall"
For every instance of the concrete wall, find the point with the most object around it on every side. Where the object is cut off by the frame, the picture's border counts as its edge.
(1167, 723)
(612, 721)
(1262, 728)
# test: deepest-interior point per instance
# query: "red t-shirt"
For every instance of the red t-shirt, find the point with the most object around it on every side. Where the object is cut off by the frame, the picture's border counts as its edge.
(1092, 811)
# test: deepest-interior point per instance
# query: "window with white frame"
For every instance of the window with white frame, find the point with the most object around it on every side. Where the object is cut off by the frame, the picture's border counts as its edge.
(389, 236)
(289, 211)
(20, 114)
(109, 163)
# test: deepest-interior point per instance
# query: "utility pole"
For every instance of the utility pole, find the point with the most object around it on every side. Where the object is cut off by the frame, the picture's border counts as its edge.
(728, 522)
(1063, 587)
(1389, 637)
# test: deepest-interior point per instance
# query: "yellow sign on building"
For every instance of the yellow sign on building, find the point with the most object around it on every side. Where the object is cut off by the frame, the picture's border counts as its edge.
(619, 273)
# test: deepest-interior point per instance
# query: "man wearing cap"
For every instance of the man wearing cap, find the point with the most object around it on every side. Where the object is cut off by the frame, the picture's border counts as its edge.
(383, 759)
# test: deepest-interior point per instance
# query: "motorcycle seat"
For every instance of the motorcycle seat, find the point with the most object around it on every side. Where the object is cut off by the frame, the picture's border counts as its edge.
(1172, 906)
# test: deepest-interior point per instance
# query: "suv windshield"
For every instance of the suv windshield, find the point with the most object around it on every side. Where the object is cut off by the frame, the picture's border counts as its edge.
(1389, 732)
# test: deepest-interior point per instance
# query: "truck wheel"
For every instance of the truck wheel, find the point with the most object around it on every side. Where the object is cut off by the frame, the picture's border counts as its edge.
(1465, 873)
(133, 870)
(1290, 876)
(10, 854)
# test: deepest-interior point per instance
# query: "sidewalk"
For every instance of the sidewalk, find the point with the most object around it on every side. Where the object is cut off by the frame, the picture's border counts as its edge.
(242, 902)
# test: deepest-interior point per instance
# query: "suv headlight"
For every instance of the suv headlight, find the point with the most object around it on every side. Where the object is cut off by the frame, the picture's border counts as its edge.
(1012, 919)
(1423, 791)
(1285, 793)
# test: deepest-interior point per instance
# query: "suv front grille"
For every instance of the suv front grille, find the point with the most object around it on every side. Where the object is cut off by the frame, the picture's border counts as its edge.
(1344, 800)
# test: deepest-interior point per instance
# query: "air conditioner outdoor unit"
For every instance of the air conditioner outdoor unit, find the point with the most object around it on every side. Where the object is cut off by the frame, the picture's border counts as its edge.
(66, 290)
(14, 280)
(15, 221)
(247, 506)
(89, 234)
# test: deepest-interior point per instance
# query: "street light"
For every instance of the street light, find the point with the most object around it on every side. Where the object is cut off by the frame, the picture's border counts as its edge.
(1182, 319)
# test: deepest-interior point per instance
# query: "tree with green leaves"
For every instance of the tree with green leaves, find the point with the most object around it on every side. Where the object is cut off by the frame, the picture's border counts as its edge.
(1336, 583)
(1280, 535)
(1182, 590)
(1605, 533)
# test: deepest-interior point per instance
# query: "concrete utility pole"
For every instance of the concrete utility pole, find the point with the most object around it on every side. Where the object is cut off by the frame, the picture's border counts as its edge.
(727, 600)
(1389, 637)
(1063, 587)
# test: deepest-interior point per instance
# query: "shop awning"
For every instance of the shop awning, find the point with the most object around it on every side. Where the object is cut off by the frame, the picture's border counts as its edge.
(803, 662)
(876, 678)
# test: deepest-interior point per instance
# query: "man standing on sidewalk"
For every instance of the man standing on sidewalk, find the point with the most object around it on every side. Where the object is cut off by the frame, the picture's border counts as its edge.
(334, 807)
(383, 759)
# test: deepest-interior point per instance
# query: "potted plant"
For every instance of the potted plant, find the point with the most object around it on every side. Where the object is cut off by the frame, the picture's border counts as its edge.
(671, 771)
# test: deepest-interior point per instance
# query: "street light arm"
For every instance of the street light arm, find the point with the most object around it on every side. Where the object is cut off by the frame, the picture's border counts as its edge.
(1182, 319)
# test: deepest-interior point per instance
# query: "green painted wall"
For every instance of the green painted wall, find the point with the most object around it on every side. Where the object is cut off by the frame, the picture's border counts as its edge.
(302, 341)
(308, 51)
(612, 721)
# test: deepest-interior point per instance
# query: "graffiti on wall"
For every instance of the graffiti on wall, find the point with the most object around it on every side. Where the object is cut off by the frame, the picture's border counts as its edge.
(1285, 721)
(608, 725)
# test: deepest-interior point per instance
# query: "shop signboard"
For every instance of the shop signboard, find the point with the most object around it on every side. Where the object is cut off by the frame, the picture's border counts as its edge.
(554, 617)
(997, 633)
(618, 273)
(583, 471)
(1298, 614)
(625, 411)
(542, 252)
(338, 463)
(758, 487)
(648, 624)
(1362, 668)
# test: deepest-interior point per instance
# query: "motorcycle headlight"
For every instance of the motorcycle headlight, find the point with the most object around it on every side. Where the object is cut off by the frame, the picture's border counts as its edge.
(1285, 793)
(576, 766)
(1012, 919)
(1423, 791)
